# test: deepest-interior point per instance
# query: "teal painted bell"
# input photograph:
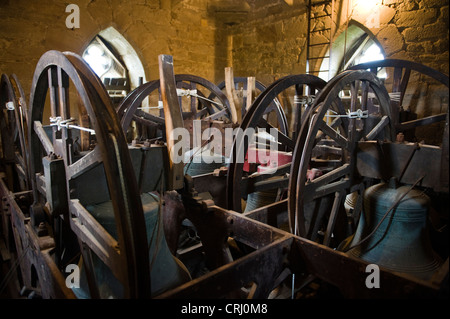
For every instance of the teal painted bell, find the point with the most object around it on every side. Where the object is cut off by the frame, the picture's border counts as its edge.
(202, 162)
(401, 242)
(166, 271)
(259, 199)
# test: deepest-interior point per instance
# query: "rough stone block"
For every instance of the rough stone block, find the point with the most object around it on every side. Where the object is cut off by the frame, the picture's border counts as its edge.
(391, 39)
(416, 18)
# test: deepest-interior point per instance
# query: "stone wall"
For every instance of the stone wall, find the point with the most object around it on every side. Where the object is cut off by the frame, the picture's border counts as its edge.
(416, 30)
(272, 41)
(184, 29)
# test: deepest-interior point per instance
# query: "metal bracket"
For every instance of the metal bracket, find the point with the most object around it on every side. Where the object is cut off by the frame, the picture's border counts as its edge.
(10, 106)
(360, 114)
(59, 122)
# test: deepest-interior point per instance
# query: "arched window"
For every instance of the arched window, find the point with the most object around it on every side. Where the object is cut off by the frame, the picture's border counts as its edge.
(115, 62)
(365, 49)
(353, 46)
(99, 57)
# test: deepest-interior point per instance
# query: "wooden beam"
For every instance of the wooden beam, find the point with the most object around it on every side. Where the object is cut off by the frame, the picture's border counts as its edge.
(174, 119)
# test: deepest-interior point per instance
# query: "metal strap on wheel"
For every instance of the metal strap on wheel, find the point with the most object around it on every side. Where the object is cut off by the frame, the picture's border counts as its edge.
(159, 107)
(395, 96)
(304, 99)
(67, 123)
(187, 92)
(358, 114)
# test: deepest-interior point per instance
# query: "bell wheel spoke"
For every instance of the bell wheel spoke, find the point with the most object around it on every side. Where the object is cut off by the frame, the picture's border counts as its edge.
(43, 137)
(84, 164)
(334, 134)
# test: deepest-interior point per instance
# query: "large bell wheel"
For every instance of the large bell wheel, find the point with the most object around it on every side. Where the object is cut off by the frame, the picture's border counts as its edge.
(21, 136)
(354, 106)
(129, 108)
(240, 181)
(206, 102)
(54, 76)
(13, 124)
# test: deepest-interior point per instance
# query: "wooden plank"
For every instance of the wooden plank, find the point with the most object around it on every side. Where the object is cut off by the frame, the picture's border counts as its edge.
(251, 93)
(340, 269)
(388, 160)
(84, 164)
(4, 252)
(46, 143)
(421, 122)
(96, 237)
(281, 138)
(172, 114)
(232, 97)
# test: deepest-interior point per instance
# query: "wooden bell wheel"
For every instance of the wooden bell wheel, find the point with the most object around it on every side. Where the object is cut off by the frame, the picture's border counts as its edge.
(13, 124)
(57, 79)
(240, 182)
(353, 106)
(198, 98)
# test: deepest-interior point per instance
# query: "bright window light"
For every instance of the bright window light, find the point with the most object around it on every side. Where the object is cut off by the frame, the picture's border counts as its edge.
(373, 53)
(97, 59)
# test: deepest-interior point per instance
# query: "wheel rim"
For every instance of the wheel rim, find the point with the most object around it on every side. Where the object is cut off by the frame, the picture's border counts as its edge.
(111, 150)
(128, 109)
(13, 124)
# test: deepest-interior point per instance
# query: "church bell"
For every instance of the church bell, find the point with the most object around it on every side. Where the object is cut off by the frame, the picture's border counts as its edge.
(203, 161)
(396, 218)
